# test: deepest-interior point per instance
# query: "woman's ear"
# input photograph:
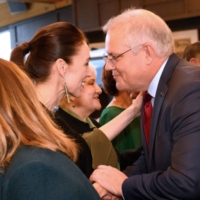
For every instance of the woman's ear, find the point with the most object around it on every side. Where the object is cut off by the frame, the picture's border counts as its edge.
(61, 66)
(149, 53)
(72, 98)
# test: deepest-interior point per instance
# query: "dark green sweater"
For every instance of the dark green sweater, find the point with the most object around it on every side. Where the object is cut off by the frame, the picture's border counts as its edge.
(41, 174)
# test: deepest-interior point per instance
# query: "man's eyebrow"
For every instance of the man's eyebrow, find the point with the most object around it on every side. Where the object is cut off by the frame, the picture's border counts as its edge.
(107, 53)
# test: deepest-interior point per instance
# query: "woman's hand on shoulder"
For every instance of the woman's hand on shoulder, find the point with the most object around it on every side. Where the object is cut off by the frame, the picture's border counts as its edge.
(137, 104)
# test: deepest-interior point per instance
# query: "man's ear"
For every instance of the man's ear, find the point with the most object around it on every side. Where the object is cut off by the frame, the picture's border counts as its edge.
(149, 53)
(61, 66)
(193, 60)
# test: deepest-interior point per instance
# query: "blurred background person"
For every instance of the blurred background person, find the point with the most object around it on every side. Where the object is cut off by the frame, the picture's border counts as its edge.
(78, 110)
(130, 136)
(58, 66)
(76, 113)
(192, 53)
(35, 155)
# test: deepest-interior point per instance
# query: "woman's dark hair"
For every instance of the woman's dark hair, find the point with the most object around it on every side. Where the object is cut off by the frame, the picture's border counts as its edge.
(109, 83)
(57, 40)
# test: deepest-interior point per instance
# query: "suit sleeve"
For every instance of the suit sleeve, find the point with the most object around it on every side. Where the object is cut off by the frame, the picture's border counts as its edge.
(137, 168)
(181, 180)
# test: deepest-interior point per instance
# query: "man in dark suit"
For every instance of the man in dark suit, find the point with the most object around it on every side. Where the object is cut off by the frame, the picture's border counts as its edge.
(140, 54)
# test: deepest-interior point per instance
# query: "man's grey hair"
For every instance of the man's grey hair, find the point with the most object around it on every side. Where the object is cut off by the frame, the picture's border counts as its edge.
(141, 26)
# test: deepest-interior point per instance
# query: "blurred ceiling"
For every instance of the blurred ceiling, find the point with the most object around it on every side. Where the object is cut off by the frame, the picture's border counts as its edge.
(31, 1)
(2, 1)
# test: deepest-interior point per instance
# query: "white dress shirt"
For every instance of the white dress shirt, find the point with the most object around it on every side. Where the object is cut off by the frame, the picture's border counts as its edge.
(154, 83)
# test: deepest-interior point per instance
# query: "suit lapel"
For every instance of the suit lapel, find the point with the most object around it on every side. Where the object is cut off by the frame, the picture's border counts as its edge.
(160, 96)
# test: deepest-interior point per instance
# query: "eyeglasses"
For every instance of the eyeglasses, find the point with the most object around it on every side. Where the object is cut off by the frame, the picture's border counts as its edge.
(113, 59)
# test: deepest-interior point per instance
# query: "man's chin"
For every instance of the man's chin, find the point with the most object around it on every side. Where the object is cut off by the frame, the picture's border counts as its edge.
(121, 87)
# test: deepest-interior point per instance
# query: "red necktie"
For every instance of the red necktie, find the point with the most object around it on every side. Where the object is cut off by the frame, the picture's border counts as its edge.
(147, 116)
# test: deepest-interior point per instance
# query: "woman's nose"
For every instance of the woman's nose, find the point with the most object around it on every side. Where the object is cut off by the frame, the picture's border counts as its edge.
(98, 89)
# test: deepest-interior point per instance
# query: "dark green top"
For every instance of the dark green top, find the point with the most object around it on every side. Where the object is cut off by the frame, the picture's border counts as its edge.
(41, 174)
(130, 137)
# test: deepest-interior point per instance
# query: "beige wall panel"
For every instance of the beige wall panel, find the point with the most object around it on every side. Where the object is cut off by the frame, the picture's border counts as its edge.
(150, 2)
(193, 6)
(63, 3)
(169, 9)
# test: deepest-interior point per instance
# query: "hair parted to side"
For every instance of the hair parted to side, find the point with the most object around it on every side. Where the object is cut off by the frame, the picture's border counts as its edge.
(191, 51)
(24, 120)
(141, 26)
(109, 83)
(57, 40)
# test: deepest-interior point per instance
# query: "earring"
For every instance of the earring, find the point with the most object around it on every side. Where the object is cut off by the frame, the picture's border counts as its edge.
(73, 105)
(66, 92)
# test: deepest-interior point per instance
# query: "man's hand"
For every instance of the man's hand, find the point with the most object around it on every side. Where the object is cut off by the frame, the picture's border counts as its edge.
(109, 178)
(104, 194)
(100, 190)
(110, 196)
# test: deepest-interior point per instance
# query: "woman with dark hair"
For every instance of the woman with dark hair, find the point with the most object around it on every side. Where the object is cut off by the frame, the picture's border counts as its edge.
(36, 157)
(130, 137)
(58, 65)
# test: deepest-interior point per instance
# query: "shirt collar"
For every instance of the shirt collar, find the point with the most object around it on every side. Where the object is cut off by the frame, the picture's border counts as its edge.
(154, 83)
(73, 114)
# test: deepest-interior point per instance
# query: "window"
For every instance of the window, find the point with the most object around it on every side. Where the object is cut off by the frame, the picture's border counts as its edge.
(5, 47)
(98, 61)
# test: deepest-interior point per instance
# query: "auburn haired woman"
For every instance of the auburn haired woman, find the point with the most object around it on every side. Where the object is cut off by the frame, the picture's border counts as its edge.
(35, 156)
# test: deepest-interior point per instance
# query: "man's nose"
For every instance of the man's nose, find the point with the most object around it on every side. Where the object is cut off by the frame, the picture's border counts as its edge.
(109, 66)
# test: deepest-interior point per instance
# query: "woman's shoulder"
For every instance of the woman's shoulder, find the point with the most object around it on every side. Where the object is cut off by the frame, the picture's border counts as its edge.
(113, 109)
(36, 173)
(27, 156)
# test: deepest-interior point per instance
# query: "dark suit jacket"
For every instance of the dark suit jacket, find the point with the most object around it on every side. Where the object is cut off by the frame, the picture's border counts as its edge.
(171, 169)
(41, 174)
